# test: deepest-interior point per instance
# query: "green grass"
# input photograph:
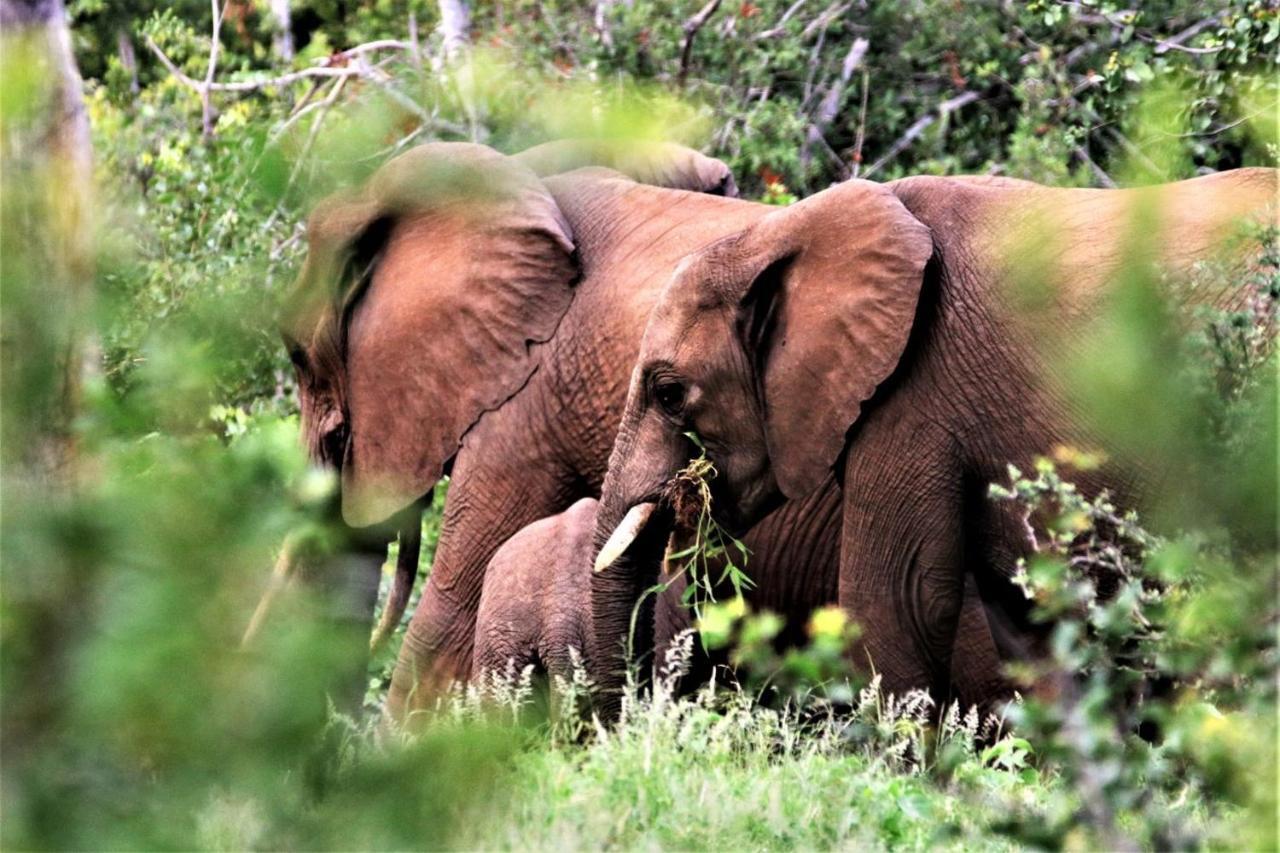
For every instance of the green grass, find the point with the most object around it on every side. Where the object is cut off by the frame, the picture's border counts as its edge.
(717, 770)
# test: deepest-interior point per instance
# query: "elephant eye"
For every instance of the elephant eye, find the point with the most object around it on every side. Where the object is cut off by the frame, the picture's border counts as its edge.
(670, 396)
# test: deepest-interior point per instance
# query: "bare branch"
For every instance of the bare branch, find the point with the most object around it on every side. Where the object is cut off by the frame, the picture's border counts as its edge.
(283, 40)
(830, 104)
(249, 85)
(825, 20)
(862, 126)
(603, 8)
(1176, 41)
(415, 48)
(1098, 174)
(919, 126)
(322, 109)
(455, 22)
(780, 27)
(691, 27)
(206, 102)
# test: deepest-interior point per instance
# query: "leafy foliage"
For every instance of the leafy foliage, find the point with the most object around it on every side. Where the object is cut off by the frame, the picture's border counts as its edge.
(131, 718)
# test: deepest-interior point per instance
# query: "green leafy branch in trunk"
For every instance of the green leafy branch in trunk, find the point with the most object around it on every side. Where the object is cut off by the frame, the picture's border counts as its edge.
(699, 546)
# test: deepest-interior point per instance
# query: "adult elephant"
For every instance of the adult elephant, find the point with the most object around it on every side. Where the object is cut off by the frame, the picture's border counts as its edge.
(864, 332)
(462, 315)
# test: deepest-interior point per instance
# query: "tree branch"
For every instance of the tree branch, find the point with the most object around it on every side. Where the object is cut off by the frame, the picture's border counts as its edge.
(862, 127)
(691, 28)
(920, 126)
(1099, 175)
(206, 102)
(830, 104)
(248, 85)
(780, 27)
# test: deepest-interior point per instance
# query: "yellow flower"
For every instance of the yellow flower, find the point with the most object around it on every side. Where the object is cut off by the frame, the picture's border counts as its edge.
(828, 622)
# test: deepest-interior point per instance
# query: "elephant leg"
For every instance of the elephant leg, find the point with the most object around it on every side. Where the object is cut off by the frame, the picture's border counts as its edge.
(902, 557)
(795, 560)
(977, 674)
(495, 491)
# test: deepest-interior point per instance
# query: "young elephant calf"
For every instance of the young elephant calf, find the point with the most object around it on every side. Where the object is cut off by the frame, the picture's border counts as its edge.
(536, 602)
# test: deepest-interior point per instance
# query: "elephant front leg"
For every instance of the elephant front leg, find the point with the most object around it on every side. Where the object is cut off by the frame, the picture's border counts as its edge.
(497, 488)
(437, 651)
(901, 569)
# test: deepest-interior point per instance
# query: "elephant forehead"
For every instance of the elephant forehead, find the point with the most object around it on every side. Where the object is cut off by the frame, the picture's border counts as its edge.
(683, 331)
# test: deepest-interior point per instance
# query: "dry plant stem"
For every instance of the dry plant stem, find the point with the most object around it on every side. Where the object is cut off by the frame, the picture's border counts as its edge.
(247, 85)
(601, 21)
(282, 79)
(1101, 176)
(322, 112)
(780, 27)
(862, 126)
(455, 21)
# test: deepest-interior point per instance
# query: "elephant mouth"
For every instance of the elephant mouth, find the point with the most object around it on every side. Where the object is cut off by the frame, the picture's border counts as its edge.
(657, 522)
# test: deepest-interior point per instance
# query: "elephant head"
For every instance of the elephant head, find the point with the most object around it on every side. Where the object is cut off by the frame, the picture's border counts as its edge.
(768, 345)
(421, 303)
(423, 295)
(764, 345)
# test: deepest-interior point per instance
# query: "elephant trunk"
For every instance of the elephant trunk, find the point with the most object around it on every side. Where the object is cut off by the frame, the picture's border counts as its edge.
(631, 542)
(402, 585)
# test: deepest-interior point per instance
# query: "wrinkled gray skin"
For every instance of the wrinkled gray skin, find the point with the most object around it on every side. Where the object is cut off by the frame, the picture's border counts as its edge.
(536, 603)
(863, 332)
(489, 334)
(536, 600)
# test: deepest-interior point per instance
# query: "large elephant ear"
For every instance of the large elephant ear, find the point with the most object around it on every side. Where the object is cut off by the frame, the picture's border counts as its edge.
(827, 291)
(659, 164)
(470, 262)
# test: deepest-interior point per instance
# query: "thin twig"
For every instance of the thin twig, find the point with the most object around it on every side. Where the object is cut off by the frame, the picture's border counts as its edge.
(603, 8)
(1099, 175)
(825, 20)
(780, 28)
(691, 28)
(862, 126)
(1175, 42)
(830, 104)
(371, 46)
(919, 126)
(415, 47)
(322, 111)
(247, 85)
(206, 102)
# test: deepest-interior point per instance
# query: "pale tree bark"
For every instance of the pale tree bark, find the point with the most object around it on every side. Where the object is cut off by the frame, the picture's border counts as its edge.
(455, 26)
(48, 256)
(283, 41)
(46, 276)
(128, 58)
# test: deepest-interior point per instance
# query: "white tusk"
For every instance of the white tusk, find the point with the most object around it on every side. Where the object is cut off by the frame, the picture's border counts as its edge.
(283, 572)
(624, 534)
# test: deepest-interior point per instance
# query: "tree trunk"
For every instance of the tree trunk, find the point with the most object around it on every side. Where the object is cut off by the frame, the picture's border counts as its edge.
(455, 26)
(283, 42)
(48, 157)
(128, 58)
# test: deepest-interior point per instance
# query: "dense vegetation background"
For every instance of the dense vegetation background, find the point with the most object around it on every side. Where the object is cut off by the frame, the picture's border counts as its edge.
(131, 720)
